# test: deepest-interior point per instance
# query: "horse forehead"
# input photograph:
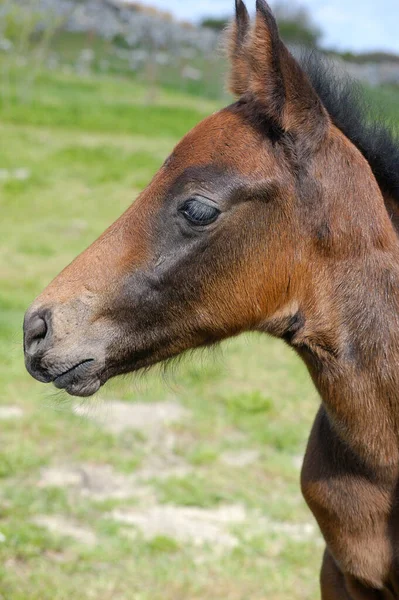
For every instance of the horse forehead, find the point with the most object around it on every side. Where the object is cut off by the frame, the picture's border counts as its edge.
(224, 138)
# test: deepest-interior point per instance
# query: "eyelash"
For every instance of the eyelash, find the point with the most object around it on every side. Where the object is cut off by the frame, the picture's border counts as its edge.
(199, 213)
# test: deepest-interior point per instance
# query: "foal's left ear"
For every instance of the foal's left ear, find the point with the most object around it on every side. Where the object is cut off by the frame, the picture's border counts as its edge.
(237, 37)
(277, 82)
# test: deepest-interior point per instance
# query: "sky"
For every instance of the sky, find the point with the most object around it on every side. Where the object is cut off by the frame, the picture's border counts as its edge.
(356, 25)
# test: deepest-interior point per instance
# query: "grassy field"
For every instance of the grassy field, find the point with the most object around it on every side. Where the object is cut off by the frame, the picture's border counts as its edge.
(184, 486)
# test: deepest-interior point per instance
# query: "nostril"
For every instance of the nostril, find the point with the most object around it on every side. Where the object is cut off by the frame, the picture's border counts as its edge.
(36, 331)
(38, 328)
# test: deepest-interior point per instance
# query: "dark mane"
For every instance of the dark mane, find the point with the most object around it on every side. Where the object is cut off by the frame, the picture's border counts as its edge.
(358, 119)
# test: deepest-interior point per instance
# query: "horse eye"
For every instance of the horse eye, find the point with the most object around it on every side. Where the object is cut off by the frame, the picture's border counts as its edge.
(198, 212)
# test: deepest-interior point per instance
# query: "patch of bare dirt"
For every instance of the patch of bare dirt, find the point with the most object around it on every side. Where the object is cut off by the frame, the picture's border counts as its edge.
(66, 527)
(185, 524)
(148, 418)
(10, 412)
(101, 482)
(298, 461)
(298, 532)
(240, 458)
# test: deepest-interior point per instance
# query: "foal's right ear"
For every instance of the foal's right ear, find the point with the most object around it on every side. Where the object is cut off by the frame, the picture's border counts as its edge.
(237, 36)
(263, 69)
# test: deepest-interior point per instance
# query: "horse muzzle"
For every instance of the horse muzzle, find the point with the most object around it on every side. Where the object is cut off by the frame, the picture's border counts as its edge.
(58, 351)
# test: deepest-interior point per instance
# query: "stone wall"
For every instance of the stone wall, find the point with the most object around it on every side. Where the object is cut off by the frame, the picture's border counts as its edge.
(141, 32)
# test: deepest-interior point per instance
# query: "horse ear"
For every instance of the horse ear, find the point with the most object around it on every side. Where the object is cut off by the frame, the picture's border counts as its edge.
(277, 81)
(237, 35)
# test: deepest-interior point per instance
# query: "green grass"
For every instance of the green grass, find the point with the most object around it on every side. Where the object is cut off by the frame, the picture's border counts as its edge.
(89, 145)
(69, 46)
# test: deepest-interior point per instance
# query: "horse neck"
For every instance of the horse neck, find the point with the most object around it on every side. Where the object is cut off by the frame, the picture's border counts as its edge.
(350, 343)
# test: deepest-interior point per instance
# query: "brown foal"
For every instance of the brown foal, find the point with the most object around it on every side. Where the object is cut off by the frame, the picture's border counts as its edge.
(265, 217)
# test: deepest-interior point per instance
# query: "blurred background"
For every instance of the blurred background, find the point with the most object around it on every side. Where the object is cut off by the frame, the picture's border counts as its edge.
(182, 485)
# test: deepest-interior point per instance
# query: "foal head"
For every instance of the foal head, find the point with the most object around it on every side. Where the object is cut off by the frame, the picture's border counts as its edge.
(228, 236)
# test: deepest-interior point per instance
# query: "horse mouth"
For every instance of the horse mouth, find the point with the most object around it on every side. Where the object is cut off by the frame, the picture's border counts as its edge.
(82, 379)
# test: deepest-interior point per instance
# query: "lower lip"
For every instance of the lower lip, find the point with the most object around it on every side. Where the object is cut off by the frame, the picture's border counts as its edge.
(83, 389)
(73, 375)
